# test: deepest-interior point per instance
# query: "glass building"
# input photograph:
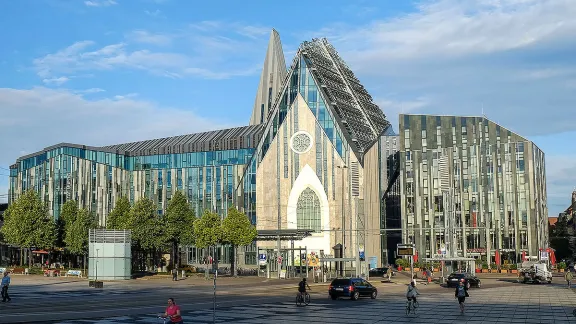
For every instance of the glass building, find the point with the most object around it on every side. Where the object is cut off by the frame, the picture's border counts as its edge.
(470, 187)
(320, 155)
(206, 166)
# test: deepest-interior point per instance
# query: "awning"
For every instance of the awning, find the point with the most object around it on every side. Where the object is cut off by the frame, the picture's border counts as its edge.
(40, 252)
(285, 234)
(450, 259)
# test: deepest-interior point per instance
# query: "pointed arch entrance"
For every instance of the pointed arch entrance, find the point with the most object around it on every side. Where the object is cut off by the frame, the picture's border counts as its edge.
(308, 208)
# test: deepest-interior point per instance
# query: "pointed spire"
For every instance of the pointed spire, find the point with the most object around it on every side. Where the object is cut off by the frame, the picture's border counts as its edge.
(273, 73)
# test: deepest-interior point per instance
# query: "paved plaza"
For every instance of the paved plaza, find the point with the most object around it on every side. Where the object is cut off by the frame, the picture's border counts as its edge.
(511, 304)
(255, 300)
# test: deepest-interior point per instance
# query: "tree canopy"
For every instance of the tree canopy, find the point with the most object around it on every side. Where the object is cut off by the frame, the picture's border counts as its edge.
(147, 228)
(208, 230)
(118, 218)
(27, 223)
(179, 220)
(237, 228)
(77, 232)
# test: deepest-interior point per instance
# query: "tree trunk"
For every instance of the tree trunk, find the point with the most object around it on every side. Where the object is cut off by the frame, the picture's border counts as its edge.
(29, 257)
(233, 261)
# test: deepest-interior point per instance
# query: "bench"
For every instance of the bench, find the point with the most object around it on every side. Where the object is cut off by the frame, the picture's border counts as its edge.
(18, 271)
(77, 273)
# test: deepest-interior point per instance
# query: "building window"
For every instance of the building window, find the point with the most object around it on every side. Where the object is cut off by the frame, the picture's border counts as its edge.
(308, 210)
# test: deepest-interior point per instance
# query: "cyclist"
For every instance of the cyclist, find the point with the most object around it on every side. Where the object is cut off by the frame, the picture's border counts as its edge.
(412, 292)
(302, 287)
(173, 312)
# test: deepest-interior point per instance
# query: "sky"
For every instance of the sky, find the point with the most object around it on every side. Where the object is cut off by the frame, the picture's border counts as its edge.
(102, 72)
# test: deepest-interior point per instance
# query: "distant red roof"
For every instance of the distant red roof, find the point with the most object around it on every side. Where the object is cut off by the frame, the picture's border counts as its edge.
(552, 220)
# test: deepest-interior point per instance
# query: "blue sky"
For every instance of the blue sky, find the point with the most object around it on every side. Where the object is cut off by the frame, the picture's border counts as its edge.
(107, 71)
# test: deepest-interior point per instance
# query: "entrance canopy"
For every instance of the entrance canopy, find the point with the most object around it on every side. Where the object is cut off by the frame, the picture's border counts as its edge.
(285, 234)
(450, 259)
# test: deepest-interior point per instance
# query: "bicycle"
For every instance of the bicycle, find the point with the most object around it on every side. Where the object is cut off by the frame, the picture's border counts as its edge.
(302, 299)
(411, 306)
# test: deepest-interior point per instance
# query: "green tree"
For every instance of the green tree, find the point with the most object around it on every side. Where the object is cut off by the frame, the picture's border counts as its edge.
(68, 213)
(77, 232)
(118, 218)
(179, 224)
(27, 224)
(237, 230)
(207, 231)
(148, 234)
(147, 228)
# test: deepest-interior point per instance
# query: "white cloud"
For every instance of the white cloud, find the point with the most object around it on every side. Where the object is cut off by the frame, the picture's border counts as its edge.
(126, 96)
(100, 3)
(56, 81)
(91, 90)
(142, 36)
(156, 13)
(64, 116)
(512, 57)
(209, 50)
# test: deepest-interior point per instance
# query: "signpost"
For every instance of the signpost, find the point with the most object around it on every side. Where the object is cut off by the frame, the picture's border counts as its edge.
(407, 250)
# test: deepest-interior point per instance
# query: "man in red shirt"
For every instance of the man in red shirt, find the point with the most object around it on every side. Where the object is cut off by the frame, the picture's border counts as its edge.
(173, 312)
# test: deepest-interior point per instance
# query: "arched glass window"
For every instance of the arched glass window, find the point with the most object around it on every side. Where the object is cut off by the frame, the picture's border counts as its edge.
(308, 211)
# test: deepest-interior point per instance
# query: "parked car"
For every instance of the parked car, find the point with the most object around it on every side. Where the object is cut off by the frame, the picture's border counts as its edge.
(353, 288)
(380, 272)
(470, 280)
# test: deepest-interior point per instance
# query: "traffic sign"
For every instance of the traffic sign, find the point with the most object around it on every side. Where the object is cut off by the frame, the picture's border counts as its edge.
(262, 258)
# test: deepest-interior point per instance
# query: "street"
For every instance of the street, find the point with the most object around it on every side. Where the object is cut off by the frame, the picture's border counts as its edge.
(256, 300)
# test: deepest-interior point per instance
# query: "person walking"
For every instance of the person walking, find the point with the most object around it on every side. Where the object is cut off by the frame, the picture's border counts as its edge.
(569, 276)
(5, 283)
(389, 273)
(174, 274)
(461, 293)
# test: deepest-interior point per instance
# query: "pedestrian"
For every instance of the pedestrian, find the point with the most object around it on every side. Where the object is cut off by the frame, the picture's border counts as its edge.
(174, 274)
(461, 293)
(5, 283)
(389, 273)
(569, 276)
(429, 275)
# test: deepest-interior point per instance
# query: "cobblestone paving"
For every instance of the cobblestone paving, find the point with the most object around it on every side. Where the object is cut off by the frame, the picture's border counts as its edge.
(513, 304)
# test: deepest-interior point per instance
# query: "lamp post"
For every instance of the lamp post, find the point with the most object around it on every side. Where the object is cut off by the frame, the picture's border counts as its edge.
(96, 270)
(342, 167)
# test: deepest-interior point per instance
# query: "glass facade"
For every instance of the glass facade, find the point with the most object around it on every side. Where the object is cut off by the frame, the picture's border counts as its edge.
(477, 178)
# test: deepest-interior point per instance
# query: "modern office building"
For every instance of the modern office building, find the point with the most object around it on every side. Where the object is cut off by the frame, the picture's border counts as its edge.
(313, 158)
(471, 187)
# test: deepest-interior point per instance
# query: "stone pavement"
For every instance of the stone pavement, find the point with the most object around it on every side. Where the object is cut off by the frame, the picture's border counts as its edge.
(511, 304)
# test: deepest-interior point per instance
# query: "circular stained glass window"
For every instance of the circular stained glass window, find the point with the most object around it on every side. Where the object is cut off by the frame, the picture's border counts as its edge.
(301, 142)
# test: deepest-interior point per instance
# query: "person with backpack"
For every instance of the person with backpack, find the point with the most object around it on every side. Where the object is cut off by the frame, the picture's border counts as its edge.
(569, 276)
(461, 293)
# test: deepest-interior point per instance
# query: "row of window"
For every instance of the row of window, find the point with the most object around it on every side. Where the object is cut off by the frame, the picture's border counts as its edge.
(163, 161)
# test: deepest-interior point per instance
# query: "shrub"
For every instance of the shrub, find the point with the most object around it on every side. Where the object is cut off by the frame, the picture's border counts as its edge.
(513, 267)
(402, 262)
(562, 265)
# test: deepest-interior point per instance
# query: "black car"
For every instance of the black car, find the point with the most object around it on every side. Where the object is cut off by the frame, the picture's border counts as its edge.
(380, 272)
(353, 288)
(470, 280)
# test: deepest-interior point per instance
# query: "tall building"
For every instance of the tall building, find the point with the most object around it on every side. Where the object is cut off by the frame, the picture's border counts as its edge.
(470, 187)
(314, 158)
(271, 79)
(318, 164)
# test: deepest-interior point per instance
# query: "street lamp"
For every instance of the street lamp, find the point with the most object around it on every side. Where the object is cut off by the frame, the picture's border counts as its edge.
(96, 270)
(342, 167)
